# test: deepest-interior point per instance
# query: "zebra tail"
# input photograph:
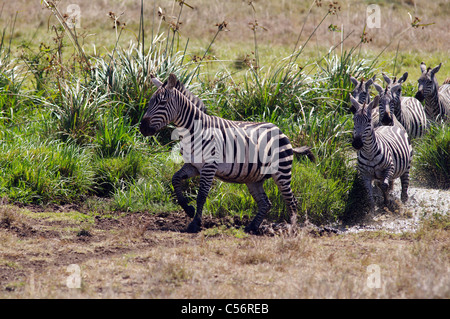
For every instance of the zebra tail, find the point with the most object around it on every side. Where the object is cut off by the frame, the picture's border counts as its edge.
(305, 150)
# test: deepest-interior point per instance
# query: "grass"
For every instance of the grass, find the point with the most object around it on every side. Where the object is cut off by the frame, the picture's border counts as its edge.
(432, 167)
(134, 262)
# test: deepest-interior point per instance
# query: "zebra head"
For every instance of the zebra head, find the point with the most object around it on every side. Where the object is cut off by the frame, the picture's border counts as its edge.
(389, 101)
(427, 82)
(362, 118)
(160, 110)
(361, 91)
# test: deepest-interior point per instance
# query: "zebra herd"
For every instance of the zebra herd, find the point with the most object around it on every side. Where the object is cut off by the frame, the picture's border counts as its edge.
(249, 153)
(384, 128)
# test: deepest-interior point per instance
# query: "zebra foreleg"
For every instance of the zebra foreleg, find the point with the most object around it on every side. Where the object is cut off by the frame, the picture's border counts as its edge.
(185, 172)
(206, 177)
(367, 181)
(387, 185)
(263, 202)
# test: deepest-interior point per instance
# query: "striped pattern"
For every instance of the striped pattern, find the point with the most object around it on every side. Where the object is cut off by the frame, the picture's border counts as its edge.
(407, 110)
(236, 152)
(437, 99)
(384, 153)
(183, 90)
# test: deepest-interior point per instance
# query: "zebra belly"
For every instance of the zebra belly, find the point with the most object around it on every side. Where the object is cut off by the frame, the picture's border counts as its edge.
(240, 173)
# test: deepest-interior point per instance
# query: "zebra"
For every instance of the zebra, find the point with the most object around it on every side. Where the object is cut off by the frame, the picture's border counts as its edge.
(407, 110)
(437, 98)
(383, 153)
(236, 152)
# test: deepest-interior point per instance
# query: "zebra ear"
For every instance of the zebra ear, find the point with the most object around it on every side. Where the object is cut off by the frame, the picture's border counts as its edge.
(172, 81)
(386, 78)
(155, 81)
(355, 105)
(435, 70)
(423, 67)
(396, 87)
(403, 78)
(354, 81)
(370, 82)
(378, 87)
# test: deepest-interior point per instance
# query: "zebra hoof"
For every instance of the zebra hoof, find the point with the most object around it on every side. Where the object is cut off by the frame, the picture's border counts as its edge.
(194, 227)
(404, 197)
(190, 211)
(251, 229)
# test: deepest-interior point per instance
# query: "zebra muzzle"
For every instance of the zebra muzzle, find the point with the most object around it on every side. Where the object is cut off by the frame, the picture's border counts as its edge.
(419, 96)
(387, 119)
(146, 129)
(357, 142)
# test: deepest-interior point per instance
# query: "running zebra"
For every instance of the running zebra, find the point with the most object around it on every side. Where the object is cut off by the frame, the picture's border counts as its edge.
(235, 152)
(407, 110)
(437, 99)
(384, 153)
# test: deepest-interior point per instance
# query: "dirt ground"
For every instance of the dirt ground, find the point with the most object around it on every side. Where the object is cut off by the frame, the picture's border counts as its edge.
(59, 252)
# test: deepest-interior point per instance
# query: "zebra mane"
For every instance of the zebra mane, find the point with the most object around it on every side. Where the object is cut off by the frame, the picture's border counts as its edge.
(189, 95)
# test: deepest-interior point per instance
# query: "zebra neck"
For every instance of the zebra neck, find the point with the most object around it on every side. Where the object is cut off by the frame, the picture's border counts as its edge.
(188, 114)
(397, 109)
(370, 145)
(432, 103)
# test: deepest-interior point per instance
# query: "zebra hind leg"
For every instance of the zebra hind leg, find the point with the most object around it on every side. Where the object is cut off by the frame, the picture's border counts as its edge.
(284, 184)
(264, 205)
(185, 172)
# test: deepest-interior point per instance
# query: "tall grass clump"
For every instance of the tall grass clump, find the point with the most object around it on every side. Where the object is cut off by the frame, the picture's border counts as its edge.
(35, 171)
(76, 109)
(431, 161)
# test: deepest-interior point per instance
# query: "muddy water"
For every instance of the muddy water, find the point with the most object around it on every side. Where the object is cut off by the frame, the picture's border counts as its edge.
(422, 203)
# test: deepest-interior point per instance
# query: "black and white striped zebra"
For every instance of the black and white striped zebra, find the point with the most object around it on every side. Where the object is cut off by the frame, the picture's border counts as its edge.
(407, 110)
(384, 153)
(437, 98)
(235, 152)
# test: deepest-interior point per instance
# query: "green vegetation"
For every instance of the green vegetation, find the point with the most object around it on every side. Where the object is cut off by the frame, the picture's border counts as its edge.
(69, 118)
(432, 154)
